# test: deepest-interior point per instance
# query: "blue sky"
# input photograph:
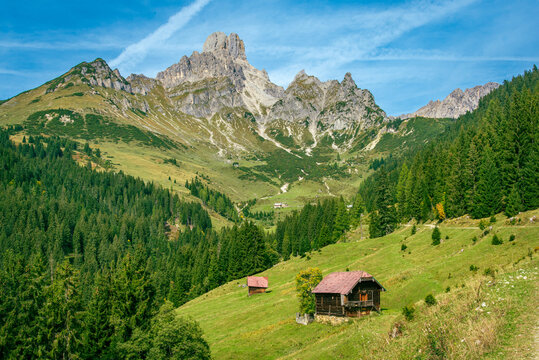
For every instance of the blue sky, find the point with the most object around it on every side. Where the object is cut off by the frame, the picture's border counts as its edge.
(405, 52)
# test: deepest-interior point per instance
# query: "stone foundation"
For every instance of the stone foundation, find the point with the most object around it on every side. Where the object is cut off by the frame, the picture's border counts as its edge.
(331, 320)
(304, 319)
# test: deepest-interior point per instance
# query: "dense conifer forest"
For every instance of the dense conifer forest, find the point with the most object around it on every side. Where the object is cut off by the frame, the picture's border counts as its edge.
(89, 269)
(212, 198)
(86, 261)
(485, 163)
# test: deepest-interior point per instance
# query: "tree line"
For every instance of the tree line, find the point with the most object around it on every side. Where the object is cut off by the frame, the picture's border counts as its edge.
(213, 198)
(87, 268)
(316, 226)
(486, 163)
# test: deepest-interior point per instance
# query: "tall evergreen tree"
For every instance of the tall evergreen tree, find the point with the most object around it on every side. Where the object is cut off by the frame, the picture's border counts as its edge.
(487, 199)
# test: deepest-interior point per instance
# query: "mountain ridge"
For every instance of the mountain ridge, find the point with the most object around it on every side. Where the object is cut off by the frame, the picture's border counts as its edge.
(455, 104)
(218, 92)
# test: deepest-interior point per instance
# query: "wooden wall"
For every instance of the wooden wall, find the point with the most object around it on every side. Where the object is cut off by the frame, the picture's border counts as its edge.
(329, 304)
(256, 290)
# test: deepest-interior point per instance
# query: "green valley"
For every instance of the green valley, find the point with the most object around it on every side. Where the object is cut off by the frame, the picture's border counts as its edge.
(132, 210)
(263, 326)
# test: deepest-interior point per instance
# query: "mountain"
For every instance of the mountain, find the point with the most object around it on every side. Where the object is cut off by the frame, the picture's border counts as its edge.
(220, 94)
(213, 109)
(455, 104)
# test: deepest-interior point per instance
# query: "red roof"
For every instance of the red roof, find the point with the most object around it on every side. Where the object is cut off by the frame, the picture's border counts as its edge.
(342, 282)
(257, 281)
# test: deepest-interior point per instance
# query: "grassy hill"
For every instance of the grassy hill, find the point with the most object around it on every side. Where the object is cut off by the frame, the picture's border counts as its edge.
(479, 313)
(138, 132)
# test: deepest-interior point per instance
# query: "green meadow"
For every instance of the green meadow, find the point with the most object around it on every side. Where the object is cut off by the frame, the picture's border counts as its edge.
(263, 326)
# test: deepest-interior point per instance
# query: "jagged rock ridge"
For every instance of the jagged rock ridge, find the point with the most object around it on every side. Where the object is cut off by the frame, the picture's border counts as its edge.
(327, 105)
(216, 96)
(455, 104)
(219, 77)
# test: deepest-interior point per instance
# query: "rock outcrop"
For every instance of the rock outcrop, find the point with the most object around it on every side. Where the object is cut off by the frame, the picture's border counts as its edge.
(98, 73)
(327, 105)
(455, 104)
(218, 92)
(219, 77)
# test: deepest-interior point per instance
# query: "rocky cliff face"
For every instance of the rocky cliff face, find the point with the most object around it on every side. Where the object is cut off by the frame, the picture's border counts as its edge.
(327, 105)
(219, 77)
(216, 96)
(98, 73)
(455, 104)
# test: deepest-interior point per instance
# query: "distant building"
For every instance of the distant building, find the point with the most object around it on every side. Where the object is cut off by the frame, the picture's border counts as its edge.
(280, 205)
(257, 284)
(351, 294)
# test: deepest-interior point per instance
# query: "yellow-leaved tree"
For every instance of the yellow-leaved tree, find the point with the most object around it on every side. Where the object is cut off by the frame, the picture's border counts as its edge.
(306, 281)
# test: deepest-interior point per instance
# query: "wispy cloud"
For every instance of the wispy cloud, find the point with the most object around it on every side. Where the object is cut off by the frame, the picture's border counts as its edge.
(76, 44)
(11, 72)
(136, 52)
(369, 31)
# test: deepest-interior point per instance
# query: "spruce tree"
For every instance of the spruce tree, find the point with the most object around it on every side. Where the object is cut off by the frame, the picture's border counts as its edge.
(436, 236)
(487, 199)
(387, 216)
(514, 203)
(358, 208)
(401, 191)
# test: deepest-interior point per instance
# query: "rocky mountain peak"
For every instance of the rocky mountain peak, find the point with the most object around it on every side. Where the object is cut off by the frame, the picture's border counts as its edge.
(219, 77)
(300, 75)
(348, 82)
(220, 44)
(457, 93)
(457, 103)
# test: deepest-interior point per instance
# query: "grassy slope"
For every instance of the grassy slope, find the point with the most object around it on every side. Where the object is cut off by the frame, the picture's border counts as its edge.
(263, 326)
(200, 156)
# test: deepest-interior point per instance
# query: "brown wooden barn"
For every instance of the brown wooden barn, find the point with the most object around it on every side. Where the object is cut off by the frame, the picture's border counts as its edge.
(257, 284)
(352, 293)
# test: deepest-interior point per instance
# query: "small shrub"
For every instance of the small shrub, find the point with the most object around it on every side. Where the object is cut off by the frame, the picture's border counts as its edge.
(474, 239)
(430, 300)
(308, 257)
(447, 289)
(408, 312)
(473, 268)
(512, 237)
(492, 219)
(483, 224)
(414, 229)
(347, 269)
(447, 237)
(488, 272)
(403, 247)
(436, 236)
(496, 240)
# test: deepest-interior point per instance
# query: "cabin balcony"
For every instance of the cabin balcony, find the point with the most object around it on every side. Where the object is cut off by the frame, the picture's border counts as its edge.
(360, 303)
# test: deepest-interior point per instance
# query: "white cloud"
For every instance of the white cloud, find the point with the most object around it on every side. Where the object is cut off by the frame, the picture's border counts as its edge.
(368, 32)
(11, 72)
(136, 52)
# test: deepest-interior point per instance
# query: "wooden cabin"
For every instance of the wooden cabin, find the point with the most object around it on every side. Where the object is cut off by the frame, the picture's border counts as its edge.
(352, 294)
(257, 284)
